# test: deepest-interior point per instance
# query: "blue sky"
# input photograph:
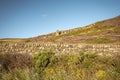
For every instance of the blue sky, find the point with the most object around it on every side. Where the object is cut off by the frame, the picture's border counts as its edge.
(29, 18)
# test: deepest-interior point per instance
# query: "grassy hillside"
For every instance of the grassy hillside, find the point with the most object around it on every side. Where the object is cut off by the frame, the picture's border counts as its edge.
(102, 32)
(107, 31)
(12, 40)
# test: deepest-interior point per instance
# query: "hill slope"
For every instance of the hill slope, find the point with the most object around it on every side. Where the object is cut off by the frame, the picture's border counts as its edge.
(107, 31)
(102, 32)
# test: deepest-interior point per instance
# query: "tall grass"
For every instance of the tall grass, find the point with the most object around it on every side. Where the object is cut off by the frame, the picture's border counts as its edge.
(46, 65)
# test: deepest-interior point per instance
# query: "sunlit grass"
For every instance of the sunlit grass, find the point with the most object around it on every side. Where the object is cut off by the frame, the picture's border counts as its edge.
(46, 65)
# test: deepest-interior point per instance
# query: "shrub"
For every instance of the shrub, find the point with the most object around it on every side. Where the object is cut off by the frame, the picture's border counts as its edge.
(42, 59)
(100, 75)
(27, 40)
(12, 61)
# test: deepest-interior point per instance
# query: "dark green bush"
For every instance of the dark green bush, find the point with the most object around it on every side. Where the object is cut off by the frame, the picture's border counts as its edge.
(27, 40)
(42, 59)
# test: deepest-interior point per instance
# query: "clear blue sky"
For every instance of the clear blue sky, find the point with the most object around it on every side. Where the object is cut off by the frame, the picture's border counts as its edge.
(28, 18)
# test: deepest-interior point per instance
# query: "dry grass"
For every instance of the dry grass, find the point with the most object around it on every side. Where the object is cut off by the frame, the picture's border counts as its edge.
(47, 66)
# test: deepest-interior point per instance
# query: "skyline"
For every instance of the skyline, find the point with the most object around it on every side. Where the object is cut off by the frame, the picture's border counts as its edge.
(29, 18)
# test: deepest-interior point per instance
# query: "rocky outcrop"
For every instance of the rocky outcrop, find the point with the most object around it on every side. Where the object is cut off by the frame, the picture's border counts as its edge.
(32, 48)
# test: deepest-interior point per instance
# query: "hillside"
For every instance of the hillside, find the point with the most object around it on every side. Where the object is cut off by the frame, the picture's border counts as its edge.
(46, 58)
(102, 32)
(107, 31)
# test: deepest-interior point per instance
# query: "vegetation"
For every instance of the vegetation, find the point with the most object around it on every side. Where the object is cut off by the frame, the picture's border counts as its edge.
(46, 65)
(27, 40)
